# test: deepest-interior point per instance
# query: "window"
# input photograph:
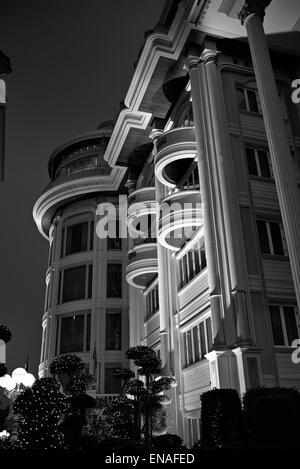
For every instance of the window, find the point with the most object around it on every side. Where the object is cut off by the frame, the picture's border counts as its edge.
(75, 283)
(190, 180)
(284, 320)
(271, 237)
(112, 383)
(113, 331)
(259, 163)
(115, 243)
(193, 262)
(248, 100)
(77, 237)
(152, 302)
(197, 342)
(114, 280)
(73, 333)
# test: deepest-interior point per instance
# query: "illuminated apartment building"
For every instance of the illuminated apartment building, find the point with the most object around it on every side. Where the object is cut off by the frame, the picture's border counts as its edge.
(208, 126)
(86, 291)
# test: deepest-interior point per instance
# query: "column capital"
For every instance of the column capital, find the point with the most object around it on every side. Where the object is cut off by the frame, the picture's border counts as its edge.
(209, 55)
(252, 7)
(155, 133)
(191, 62)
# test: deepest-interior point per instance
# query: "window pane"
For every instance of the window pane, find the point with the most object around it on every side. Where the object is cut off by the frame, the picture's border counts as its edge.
(252, 168)
(263, 236)
(88, 333)
(115, 243)
(252, 101)
(74, 284)
(276, 325)
(276, 238)
(113, 331)
(71, 335)
(264, 163)
(114, 280)
(92, 227)
(196, 343)
(90, 281)
(209, 334)
(189, 347)
(241, 99)
(112, 383)
(290, 324)
(76, 238)
(202, 339)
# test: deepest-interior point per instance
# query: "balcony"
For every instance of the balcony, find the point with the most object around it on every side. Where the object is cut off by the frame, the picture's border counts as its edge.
(142, 263)
(141, 205)
(180, 217)
(176, 150)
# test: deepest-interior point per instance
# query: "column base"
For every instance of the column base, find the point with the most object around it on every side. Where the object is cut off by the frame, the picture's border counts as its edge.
(223, 369)
(249, 367)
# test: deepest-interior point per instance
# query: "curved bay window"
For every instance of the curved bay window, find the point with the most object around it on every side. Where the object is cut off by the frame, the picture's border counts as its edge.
(192, 263)
(73, 333)
(77, 237)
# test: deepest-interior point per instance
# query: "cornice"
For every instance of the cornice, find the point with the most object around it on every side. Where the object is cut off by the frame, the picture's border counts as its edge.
(74, 188)
(158, 44)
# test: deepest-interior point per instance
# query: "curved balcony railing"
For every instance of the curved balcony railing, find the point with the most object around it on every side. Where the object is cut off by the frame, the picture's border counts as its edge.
(142, 264)
(141, 209)
(180, 217)
(176, 149)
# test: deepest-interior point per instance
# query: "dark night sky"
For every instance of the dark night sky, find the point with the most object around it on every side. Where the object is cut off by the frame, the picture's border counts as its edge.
(72, 64)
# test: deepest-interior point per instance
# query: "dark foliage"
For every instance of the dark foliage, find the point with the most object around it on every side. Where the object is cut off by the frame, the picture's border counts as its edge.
(3, 369)
(66, 363)
(167, 442)
(221, 418)
(5, 333)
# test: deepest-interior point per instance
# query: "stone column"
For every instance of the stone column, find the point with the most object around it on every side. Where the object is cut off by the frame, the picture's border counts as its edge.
(211, 248)
(251, 15)
(164, 304)
(225, 182)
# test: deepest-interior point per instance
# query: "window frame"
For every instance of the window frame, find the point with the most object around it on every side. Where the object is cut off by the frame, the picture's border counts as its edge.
(245, 90)
(188, 341)
(270, 240)
(88, 283)
(190, 265)
(68, 223)
(60, 317)
(281, 307)
(257, 162)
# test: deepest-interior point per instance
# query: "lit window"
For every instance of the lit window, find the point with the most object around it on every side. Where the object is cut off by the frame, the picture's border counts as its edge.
(197, 341)
(113, 333)
(75, 283)
(271, 237)
(284, 321)
(259, 163)
(192, 263)
(248, 100)
(73, 333)
(114, 281)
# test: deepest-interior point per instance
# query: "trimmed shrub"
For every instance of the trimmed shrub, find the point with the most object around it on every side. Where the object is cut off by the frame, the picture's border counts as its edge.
(272, 415)
(221, 418)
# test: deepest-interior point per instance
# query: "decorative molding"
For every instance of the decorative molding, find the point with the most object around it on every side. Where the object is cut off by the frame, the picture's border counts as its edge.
(252, 7)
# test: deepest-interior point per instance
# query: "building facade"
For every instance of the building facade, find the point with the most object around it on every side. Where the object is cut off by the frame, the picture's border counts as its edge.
(86, 292)
(209, 138)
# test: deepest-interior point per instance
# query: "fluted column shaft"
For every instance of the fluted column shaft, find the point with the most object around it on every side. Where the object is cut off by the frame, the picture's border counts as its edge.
(282, 164)
(206, 201)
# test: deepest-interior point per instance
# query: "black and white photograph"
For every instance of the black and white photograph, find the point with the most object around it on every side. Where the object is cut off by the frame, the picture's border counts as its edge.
(150, 229)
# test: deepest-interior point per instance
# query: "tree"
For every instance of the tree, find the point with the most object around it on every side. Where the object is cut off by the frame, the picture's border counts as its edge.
(148, 397)
(41, 409)
(68, 369)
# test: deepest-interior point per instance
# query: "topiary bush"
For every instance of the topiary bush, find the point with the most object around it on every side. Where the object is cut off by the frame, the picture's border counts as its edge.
(272, 415)
(221, 418)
